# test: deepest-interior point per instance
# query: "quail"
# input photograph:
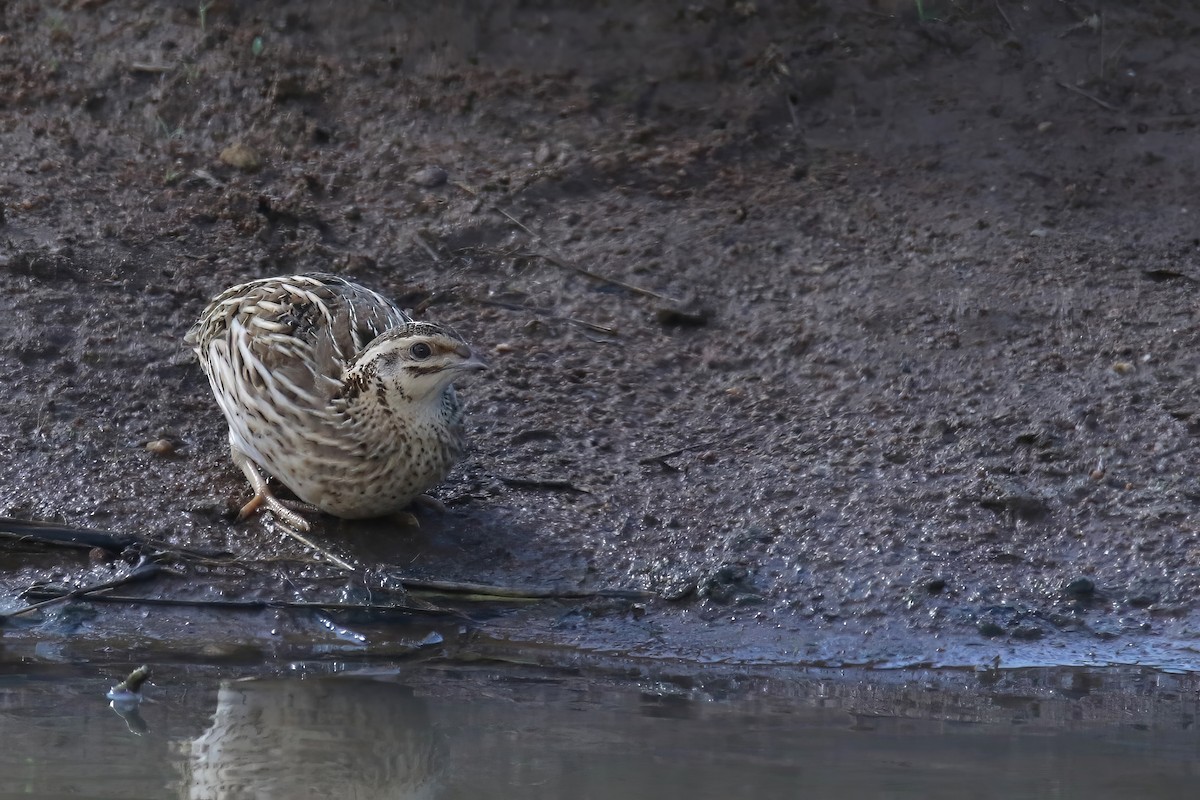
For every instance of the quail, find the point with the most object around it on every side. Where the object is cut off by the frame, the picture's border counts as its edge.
(331, 389)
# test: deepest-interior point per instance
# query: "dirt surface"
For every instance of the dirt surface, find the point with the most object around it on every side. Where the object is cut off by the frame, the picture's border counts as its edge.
(856, 334)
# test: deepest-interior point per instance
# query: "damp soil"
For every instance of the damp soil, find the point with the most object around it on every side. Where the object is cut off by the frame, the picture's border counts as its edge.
(854, 333)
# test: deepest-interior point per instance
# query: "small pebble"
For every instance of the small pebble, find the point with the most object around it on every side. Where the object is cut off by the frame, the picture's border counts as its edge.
(161, 447)
(429, 177)
(239, 156)
(989, 629)
(1123, 367)
(1080, 587)
(683, 318)
(1028, 633)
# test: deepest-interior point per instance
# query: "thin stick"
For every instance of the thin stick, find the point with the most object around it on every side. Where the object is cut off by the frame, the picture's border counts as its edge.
(247, 605)
(544, 312)
(557, 259)
(310, 544)
(141, 573)
(1092, 97)
(515, 593)
(1004, 16)
(658, 459)
(560, 484)
(415, 586)
(53, 534)
(427, 247)
(140, 66)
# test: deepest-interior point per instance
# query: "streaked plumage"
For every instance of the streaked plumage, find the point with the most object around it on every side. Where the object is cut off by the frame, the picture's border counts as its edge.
(330, 388)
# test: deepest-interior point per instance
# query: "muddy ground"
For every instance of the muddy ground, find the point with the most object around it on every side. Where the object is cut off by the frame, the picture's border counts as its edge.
(857, 332)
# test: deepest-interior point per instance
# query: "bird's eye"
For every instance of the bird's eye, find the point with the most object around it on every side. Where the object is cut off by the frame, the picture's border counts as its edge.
(421, 351)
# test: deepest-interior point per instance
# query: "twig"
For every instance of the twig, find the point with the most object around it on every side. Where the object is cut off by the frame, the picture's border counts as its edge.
(311, 545)
(56, 535)
(247, 605)
(660, 458)
(514, 593)
(1004, 16)
(1089, 96)
(141, 66)
(556, 258)
(558, 261)
(143, 572)
(545, 312)
(560, 484)
(419, 240)
(50, 533)
(415, 586)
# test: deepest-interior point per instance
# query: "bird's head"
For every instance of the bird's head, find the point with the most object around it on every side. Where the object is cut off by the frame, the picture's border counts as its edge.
(414, 363)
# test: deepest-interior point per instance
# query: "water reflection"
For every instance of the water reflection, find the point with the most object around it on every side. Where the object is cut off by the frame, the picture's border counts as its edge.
(450, 732)
(300, 739)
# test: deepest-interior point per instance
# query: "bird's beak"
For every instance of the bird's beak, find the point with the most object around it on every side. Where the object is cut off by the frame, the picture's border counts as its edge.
(473, 362)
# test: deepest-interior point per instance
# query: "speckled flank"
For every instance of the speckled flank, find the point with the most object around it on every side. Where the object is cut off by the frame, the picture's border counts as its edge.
(318, 380)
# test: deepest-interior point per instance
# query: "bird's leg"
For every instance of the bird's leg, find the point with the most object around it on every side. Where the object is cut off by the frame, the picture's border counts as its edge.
(262, 494)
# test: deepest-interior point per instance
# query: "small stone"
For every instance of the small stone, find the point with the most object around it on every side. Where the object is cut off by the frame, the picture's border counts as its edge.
(429, 177)
(1080, 587)
(682, 318)
(161, 447)
(1028, 633)
(1123, 367)
(989, 629)
(504, 347)
(543, 154)
(240, 156)
(1044, 126)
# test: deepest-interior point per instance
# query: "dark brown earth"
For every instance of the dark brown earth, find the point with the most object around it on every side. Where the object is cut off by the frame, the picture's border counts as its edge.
(859, 332)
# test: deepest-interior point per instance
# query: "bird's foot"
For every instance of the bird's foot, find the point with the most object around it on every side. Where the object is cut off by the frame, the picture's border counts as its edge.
(277, 507)
(263, 496)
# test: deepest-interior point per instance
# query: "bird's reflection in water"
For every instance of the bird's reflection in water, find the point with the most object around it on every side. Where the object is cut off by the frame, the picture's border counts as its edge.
(320, 738)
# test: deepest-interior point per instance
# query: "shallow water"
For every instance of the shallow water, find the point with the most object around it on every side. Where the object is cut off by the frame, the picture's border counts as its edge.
(500, 731)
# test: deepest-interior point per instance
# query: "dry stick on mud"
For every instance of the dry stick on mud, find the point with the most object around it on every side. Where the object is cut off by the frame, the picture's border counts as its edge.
(239, 605)
(661, 458)
(1089, 96)
(591, 326)
(557, 484)
(508, 593)
(142, 572)
(558, 259)
(461, 589)
(1004, 16)
(52, 534)
(310, 544)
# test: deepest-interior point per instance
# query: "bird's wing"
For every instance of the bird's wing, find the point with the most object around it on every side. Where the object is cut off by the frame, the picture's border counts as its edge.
(291, 338)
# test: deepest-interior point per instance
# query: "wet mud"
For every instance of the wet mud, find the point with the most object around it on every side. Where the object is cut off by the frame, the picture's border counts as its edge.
(853, 333)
